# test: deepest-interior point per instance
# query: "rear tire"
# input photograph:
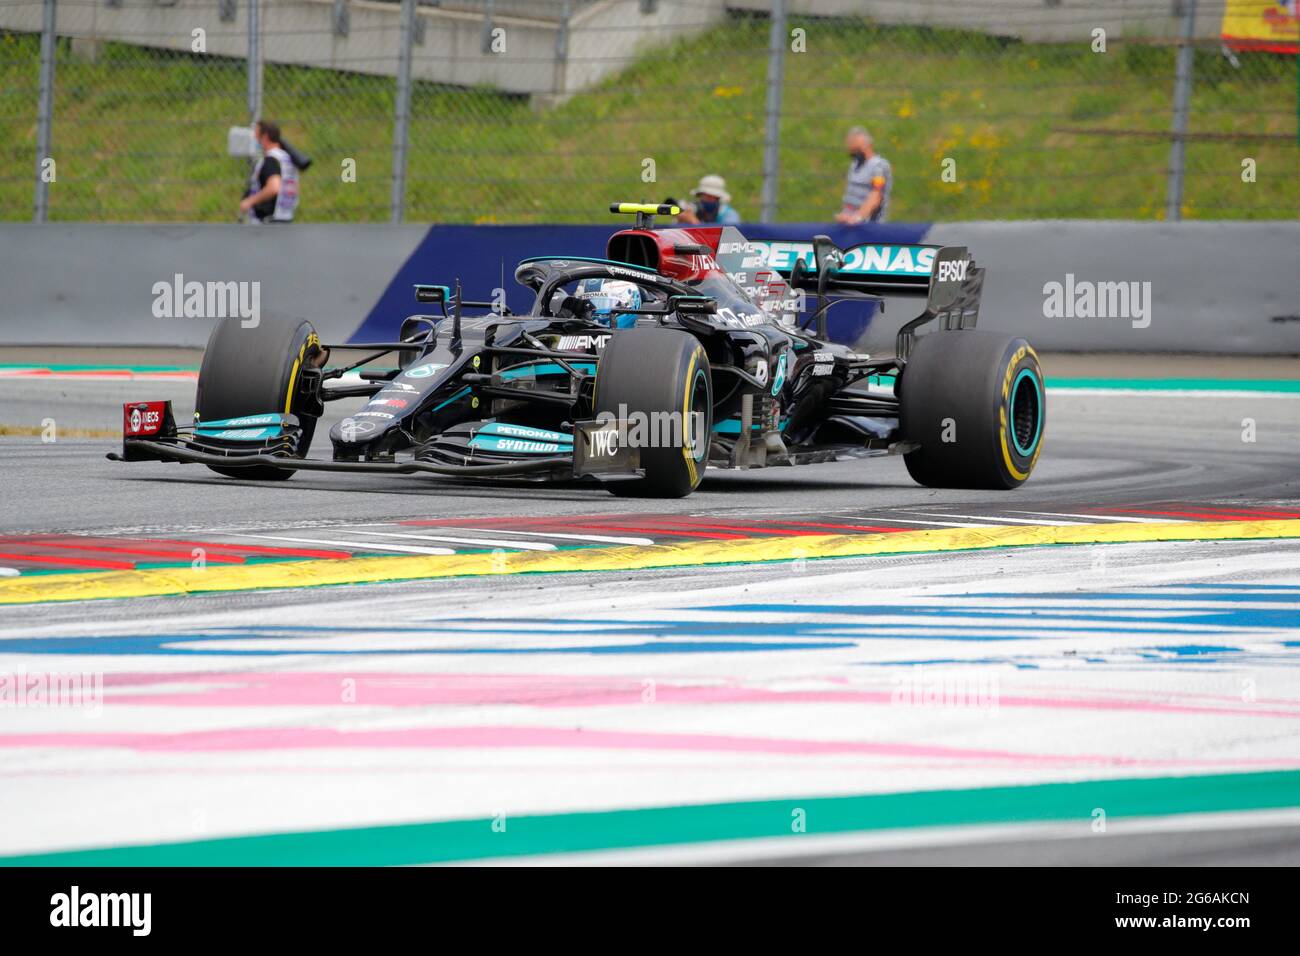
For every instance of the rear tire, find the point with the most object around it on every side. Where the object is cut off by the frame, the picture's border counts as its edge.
(254, 371)
(645, 372)
(975, 402)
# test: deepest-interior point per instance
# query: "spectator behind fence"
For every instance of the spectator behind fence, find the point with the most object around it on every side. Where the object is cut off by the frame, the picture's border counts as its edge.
(866, 195)
(272, 193)
(711, 205)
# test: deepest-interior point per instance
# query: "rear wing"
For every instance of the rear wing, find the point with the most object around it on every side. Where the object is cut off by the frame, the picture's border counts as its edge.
(945, 276)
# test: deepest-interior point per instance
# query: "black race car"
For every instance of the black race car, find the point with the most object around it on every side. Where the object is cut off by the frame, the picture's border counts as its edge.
(721, 360)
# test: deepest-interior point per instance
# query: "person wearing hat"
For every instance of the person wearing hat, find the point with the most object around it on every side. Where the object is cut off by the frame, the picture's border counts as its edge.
(711, 205)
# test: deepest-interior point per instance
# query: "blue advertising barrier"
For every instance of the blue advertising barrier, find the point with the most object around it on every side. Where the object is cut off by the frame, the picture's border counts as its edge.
(483, 258)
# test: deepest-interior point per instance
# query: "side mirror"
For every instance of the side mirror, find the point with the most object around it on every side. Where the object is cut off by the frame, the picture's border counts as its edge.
(432, 293)
(827, 255)
(693, 304)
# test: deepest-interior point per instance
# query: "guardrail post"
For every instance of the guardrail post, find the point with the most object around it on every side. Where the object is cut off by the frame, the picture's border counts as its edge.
(772, 130)
(487, 26)
(562, 50)
(402, 111)
(254, 61)
(45, 113)
(1182, 102)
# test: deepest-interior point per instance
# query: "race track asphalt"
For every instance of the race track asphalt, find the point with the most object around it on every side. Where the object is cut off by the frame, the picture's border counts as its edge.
(526, 695)
(1099, 449)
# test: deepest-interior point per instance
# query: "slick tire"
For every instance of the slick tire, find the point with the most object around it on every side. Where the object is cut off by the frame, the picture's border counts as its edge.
(645, 373)
(975, 402)
(253, 371)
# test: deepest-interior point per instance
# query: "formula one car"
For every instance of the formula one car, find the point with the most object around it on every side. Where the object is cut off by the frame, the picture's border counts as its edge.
(684, 349)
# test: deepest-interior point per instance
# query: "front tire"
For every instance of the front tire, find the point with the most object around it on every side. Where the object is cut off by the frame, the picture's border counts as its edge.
(253, 371)
(976, 403)
(646, 373)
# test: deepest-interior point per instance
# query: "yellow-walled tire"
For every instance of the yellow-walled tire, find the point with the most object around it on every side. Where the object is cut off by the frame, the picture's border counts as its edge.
(647, 372)
(254, 371)
(976, 404)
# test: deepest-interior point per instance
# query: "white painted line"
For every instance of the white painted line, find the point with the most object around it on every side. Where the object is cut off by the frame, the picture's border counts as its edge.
(345, 544)
(1094, 518)
(997, 519)
(890, 519)
(477, 542)
(599, 538)
(9, 572)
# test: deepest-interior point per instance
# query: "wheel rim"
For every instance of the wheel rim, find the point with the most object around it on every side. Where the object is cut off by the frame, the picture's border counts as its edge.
(1026, 412)
(698, 412)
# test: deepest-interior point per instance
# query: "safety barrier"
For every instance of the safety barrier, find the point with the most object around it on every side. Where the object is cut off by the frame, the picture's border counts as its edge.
(1069, 285)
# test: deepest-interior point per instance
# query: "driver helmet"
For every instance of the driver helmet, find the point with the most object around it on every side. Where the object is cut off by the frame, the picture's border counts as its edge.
(606, 295)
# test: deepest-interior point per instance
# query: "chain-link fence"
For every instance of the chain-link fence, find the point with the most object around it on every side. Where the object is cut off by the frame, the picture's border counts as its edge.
(543, 110)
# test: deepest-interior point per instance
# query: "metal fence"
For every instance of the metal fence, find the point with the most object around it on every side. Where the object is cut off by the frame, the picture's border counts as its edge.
(512, 111)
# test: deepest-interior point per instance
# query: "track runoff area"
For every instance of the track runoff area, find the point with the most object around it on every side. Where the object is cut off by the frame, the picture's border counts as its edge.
(815, 664)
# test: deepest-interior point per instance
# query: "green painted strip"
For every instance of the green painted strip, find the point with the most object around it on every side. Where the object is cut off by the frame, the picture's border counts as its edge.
(59, 367)
(461, 840)
(1180, 384)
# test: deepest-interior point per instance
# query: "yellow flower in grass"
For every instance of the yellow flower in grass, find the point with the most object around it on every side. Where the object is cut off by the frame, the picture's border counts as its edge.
(985, 139)
(728, 91)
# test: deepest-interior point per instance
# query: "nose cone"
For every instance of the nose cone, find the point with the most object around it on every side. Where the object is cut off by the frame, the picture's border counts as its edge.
(353, 434)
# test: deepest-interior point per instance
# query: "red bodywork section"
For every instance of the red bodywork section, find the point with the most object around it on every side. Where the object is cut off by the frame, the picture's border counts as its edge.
(683, 254)
(692, 254)
(144, 419)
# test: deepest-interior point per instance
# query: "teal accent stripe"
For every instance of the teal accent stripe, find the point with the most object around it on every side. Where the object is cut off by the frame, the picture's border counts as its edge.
(522, 446)
(731, 426)
(461, 394)
(525, 432)
(545, 368)
(246, 421)
(461, 840)
(238, 434)
(1038, 423)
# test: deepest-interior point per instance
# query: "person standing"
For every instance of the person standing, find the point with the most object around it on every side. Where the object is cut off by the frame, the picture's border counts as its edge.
(866, 195)
(712, 206)
(272, 194)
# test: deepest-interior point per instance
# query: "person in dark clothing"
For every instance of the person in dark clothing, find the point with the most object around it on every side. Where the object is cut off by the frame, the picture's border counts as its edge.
(272, 194)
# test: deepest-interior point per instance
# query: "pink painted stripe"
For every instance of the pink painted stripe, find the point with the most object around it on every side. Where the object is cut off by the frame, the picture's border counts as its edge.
(507, 737)
(315, 689)
(307, 738)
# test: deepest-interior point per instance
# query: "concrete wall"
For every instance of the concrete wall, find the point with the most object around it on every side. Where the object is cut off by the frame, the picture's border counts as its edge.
(91, 283)
(603, 37)
(1041, 20)
(1213, 287)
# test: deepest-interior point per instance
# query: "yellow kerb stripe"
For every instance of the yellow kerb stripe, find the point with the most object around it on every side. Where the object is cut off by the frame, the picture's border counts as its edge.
(315, 573)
